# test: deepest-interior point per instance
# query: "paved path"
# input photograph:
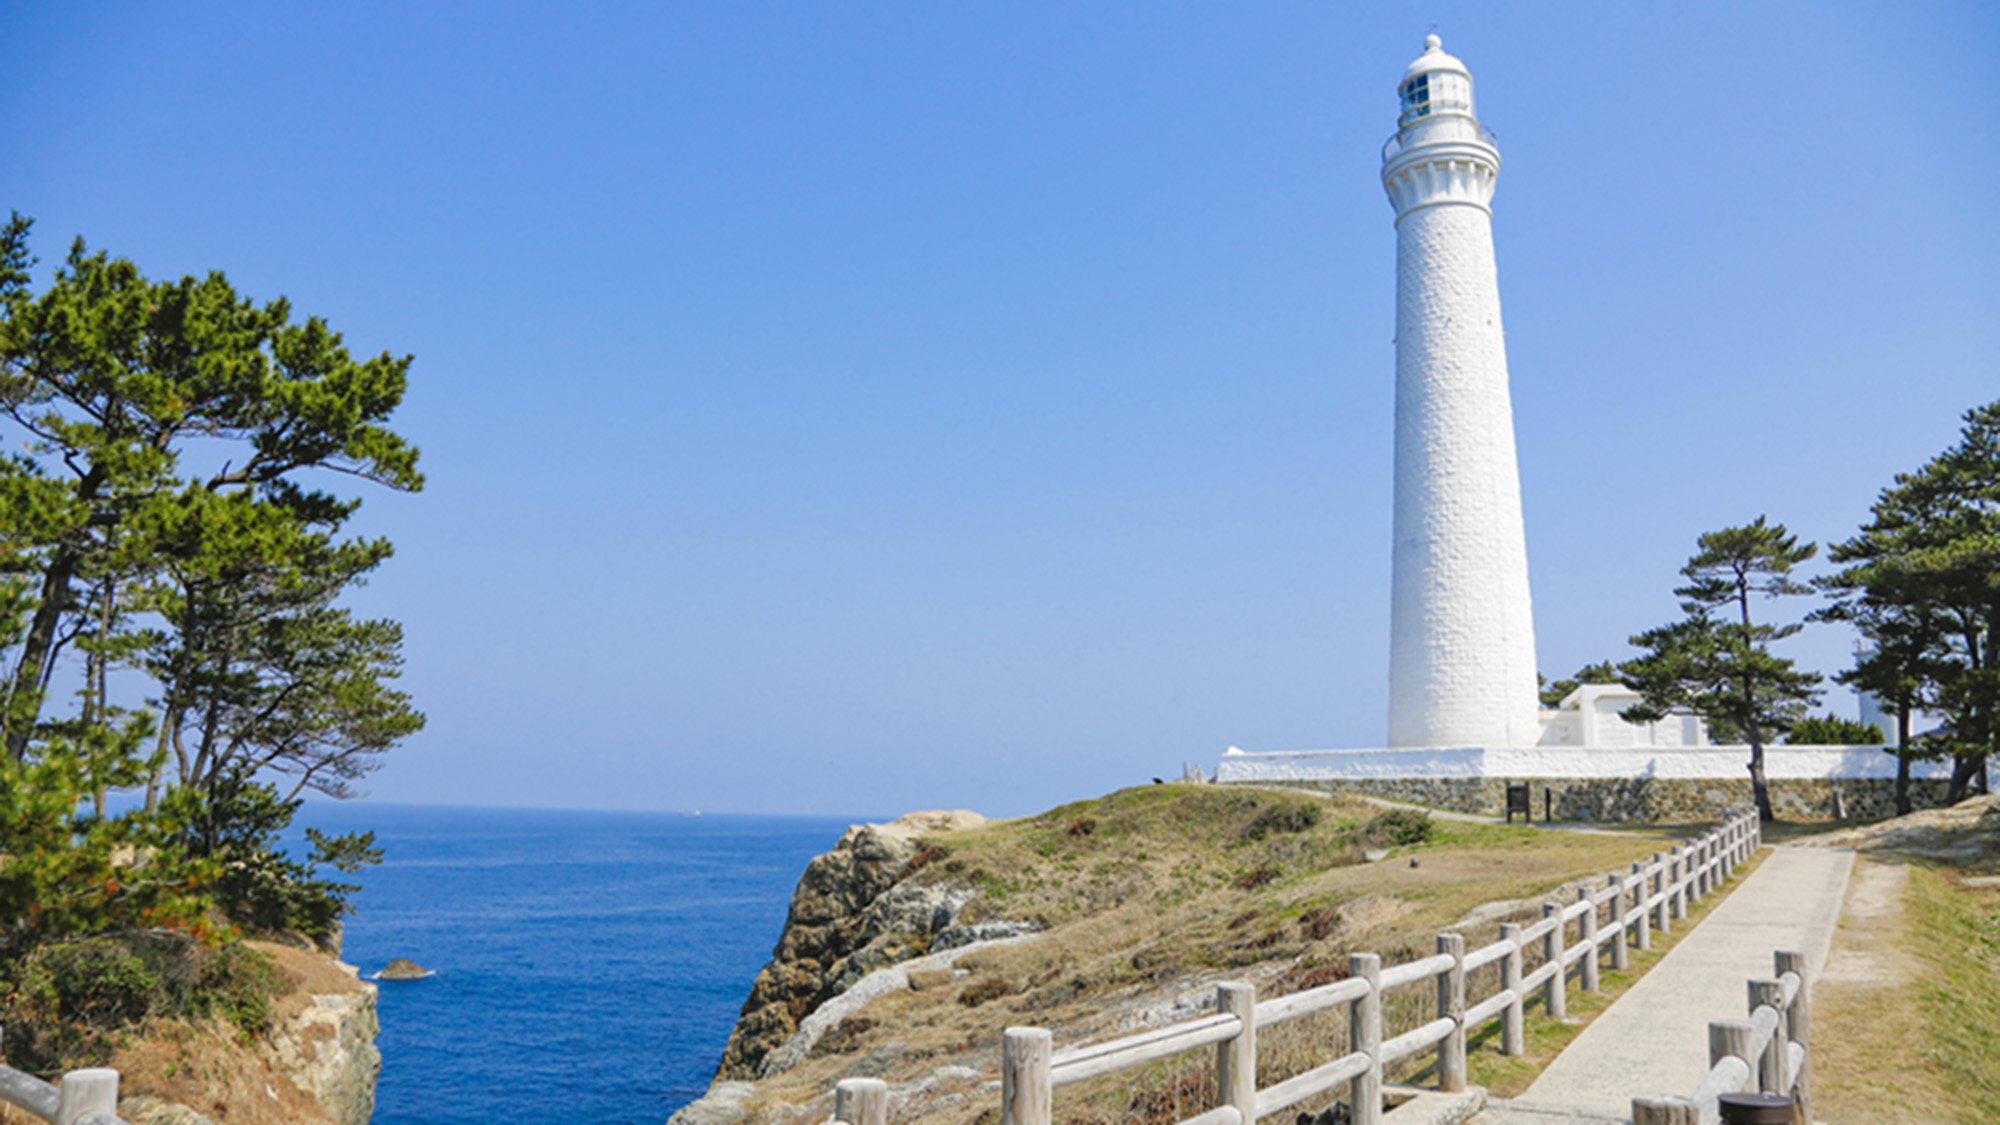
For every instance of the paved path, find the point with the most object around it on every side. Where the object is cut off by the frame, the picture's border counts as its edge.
(1654, 1039)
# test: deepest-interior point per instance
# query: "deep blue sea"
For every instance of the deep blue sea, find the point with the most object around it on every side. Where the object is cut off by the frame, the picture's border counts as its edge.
(589, 965)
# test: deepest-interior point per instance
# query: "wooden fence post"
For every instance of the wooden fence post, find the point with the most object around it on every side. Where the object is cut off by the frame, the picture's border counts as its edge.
(1513, 1038)
(1619, 919)
(1236, 1057)
(1800, 1026)
(861, 1101)
(1451, 1006)
(1680, 870)
(1662, 884)
(1641, 891)
(1026, 1097)
(1774, 1065)
(84, 1092)
(1555, 996)
(1665, 1111)
(1732, 1039)
(1364, 1035)
(1587, 972)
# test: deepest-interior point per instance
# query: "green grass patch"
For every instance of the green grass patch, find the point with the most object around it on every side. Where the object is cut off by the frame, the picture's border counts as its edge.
(1958, 934)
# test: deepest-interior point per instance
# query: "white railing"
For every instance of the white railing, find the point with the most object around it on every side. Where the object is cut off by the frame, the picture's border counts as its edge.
(1769, 1053)
(86, 1097)
(1650, 897)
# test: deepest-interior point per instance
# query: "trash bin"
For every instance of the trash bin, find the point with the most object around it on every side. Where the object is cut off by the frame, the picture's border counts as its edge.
(1756, 1109)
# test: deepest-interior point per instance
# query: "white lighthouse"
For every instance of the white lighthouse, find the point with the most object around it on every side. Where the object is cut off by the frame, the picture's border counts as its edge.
(1462, 634)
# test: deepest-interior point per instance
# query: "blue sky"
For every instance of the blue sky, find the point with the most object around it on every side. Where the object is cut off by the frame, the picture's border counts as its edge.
(855, 408)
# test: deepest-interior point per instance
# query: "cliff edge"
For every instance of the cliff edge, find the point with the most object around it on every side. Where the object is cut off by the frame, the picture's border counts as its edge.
(848, 917)
(910, 946)
(315, 1064)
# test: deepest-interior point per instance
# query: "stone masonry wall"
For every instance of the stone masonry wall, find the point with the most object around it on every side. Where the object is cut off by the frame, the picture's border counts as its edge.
(1662, 800)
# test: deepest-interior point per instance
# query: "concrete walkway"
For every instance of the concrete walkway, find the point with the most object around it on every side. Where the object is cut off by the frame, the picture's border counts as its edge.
(1654, 1039)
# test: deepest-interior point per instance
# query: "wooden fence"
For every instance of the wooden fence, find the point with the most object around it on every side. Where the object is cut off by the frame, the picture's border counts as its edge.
(1651, 897)
(1769, 1053)
(86, 1097)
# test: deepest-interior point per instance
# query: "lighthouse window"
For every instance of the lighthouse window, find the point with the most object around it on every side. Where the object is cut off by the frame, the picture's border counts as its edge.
(1416, 98)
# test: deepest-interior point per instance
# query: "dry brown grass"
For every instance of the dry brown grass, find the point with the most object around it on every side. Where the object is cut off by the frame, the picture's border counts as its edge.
(1149, 906)
(216, 1069)
(1864, 1003)
(1904, 1018)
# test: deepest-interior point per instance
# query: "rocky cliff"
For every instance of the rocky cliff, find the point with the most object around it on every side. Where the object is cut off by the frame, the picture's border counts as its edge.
(851, 914)
(315, 1065)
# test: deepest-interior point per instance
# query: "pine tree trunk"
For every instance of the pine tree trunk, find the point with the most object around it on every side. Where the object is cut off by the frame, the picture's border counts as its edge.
(1964, 768)
(24, 696)
(1758, 787)
(1903, 761)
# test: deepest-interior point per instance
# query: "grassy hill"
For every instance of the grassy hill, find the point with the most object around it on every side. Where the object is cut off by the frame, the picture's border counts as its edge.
(1147, 897)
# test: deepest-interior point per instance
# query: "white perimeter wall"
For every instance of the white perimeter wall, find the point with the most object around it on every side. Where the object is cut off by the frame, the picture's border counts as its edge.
(1718, 762)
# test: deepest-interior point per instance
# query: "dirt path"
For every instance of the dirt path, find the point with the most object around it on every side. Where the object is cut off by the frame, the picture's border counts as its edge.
(1866, 1024)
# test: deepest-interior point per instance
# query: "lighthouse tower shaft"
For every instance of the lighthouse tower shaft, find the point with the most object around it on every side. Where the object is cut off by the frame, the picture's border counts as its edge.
(1462, 643)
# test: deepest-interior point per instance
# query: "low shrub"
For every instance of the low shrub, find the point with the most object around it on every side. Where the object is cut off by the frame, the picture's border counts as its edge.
(992, 988)
(68, 1004)
(1400, 827)
(1257, 877)
(930, 854)
(1318, 923)
(1281, 818)
(844, 1036)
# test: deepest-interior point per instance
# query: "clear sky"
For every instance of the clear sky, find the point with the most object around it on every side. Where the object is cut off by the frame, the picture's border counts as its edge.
(852, 408)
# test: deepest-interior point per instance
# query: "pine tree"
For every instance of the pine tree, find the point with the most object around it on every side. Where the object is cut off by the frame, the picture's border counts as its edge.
(1717, 661)
(1923, 582)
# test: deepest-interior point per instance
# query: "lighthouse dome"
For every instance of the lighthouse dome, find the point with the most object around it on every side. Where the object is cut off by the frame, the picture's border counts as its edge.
(1434, 84)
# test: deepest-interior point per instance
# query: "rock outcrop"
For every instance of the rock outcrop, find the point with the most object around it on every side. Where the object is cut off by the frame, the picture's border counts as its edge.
(315, 1064)
(402, 968)
(327, 1048)
(850, 915)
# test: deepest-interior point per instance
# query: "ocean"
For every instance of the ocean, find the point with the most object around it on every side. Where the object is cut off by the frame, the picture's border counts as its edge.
(588, 965)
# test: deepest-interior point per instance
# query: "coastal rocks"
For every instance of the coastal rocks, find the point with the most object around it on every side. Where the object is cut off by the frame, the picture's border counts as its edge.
(848, 918)
(722, 1105)
(850, 1001)
(329, 1051)
(403, 969)
(953, 937)
(326, 1046)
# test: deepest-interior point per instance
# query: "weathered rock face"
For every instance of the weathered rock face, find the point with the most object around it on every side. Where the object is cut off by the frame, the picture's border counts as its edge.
(848, 917)
(328, 1050)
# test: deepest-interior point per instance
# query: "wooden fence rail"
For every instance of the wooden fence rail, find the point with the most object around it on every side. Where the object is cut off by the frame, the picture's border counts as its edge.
(1769, 1053)
(1650, 897)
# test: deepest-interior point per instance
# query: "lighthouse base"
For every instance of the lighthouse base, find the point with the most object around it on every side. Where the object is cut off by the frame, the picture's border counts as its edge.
(1595, 783)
